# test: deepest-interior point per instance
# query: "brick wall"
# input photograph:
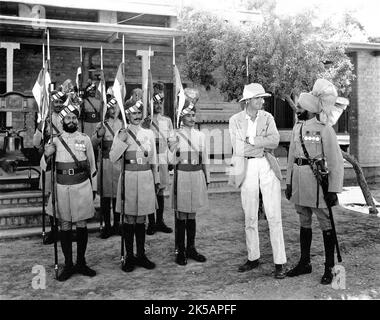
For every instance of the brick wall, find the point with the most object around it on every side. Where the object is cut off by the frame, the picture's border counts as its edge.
(368, 115)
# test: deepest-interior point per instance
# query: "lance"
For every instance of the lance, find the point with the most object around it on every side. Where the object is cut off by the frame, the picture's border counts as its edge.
(101, 142)
(122, 259)
(175, 177)
(43, 173)
(80, 84)
(52, 159)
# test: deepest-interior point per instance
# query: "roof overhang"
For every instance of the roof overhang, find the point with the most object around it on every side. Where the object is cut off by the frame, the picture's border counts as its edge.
(162, 7)
(86, 34)
(364, 46)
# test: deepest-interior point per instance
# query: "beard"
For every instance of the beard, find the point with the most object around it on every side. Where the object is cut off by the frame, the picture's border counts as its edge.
(70, 127)
(302, 115)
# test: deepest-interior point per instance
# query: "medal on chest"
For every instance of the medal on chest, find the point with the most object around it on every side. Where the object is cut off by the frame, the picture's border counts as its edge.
(79, 145)
(313, 136)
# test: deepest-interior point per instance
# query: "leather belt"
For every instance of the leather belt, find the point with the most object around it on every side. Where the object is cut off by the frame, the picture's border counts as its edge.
(137, 167)
(189, 167)
(91, 117)
(301, 161)
(254, 157)
(70, 172)
(139, 161)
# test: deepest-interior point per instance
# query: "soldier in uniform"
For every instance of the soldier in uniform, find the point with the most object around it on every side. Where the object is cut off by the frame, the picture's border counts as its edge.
(111, 171)
(137, 146)
(58, 98)
(162, 127)
(90, 109)
(302, 189)
(191, 153)
(75, 168)
(254, 136)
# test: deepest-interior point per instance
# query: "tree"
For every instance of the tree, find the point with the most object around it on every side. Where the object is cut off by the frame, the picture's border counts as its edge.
(285, 54)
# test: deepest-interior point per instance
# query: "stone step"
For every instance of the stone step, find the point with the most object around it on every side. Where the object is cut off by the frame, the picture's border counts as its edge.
(21, 198)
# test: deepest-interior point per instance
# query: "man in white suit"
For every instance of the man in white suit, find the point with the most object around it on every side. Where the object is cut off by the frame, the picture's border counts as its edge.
(254, 136)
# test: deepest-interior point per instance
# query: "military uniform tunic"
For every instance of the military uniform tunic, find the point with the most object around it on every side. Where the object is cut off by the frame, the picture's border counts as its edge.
(37, 143)
(191, 185)
(140, 197)
(90, 114)
(163, 129)
(73, 201)
(320, 142)
(111, 170)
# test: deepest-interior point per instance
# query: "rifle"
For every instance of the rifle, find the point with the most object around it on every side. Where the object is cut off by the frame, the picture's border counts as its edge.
(122, 259)
(101, 145)
(321, 173)
(52, 159)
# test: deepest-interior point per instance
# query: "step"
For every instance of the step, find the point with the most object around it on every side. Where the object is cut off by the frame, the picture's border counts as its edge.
(33, 198)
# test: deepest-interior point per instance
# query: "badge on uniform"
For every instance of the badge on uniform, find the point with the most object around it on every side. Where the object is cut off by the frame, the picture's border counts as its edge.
(80, 146)
(314, 136)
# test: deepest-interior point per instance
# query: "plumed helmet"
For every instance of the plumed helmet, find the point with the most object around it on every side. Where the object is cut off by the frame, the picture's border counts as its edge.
(137, 94)
(158, 92)
(67, 86)
(132, 105)
(191, 98)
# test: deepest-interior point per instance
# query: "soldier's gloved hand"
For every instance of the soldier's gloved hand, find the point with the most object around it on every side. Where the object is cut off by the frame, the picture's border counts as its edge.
(49, 149)
(331, 199)
(288, 191)
(123, 135)
(157, 187)
(101, 131)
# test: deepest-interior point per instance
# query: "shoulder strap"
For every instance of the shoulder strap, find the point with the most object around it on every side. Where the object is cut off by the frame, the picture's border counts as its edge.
(55, 128)
(303, 145)
(93, 107)
(136, 140)
(158, 130)
(109, 128)
(307, 156)
(69, 150)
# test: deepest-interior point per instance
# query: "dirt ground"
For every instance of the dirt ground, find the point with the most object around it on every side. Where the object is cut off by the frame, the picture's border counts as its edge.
(220, 236)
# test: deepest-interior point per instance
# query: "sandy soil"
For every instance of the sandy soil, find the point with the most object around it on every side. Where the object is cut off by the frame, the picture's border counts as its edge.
(220, 236)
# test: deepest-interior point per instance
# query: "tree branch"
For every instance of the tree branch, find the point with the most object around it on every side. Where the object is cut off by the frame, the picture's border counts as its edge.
(361, 181)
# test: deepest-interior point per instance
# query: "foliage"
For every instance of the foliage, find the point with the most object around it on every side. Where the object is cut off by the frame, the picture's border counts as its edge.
(285, 54)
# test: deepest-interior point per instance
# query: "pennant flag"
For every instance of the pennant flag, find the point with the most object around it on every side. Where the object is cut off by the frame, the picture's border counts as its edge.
(41, 94)
(120, 91)
(78, 79)
(103, 94)
(180, 93)
(150, 93)
(38, 92)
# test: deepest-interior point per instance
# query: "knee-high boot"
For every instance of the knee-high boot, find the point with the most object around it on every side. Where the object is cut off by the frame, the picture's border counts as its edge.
(151, 225)
(141, 259)
(303, 266)
(81, 266)
(106, 212)
(191, 252)
(181, 255)
(67, 250)
(160, 224)
(129, 233)
(329, 244)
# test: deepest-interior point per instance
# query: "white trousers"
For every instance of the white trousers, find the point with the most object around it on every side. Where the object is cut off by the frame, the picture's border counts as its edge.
(260, 173)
